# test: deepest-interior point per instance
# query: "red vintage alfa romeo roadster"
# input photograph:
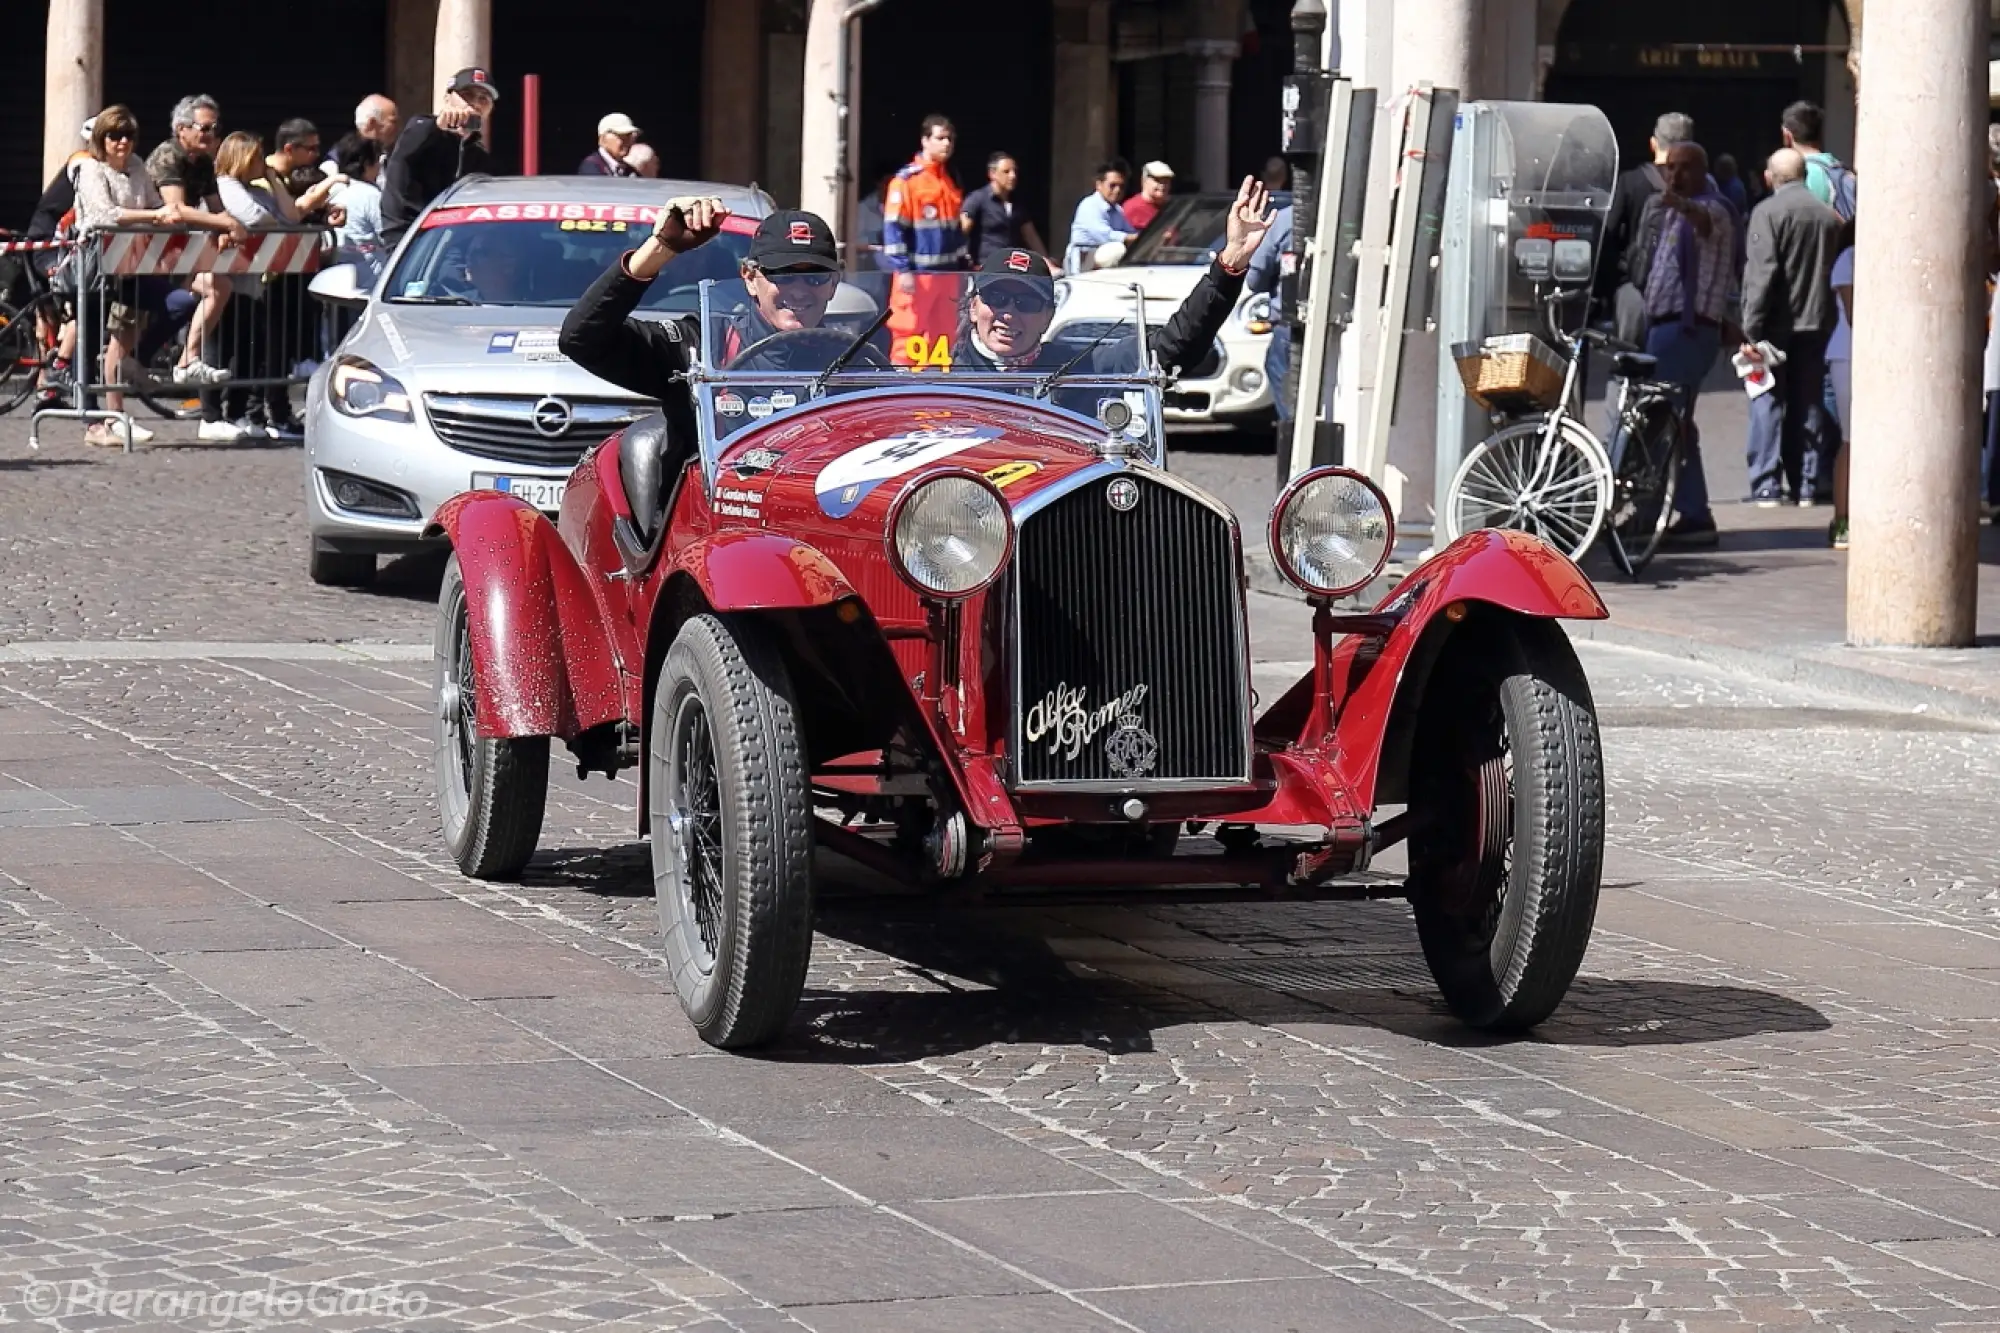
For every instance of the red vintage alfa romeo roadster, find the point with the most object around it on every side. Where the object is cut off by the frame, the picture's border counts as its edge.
(967, 630)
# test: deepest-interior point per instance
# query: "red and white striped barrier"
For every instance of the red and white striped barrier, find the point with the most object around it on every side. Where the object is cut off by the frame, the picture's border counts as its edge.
(146, 254)
(28, 247)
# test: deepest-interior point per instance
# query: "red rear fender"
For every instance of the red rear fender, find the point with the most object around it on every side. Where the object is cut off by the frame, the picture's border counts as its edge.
(762, 571)
(1378, 683)
(540, 647)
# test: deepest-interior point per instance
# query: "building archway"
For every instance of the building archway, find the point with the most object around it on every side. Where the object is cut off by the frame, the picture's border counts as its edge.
(1636, 62)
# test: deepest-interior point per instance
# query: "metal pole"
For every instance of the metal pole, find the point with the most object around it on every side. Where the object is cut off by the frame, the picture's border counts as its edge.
(1304, 102)
(531, 124)
(843, 115)
(1912, 574)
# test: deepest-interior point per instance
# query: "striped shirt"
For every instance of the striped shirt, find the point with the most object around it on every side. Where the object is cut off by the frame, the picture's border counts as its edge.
(1715, 266)
(920, 226)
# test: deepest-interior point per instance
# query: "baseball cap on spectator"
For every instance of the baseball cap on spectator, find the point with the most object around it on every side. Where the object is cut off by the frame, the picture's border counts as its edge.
(1159, 171)
(792, 238)
(617, 123)
(473, 76)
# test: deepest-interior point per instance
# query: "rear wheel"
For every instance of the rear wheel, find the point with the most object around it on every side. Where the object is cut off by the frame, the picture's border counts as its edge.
(1505, 867)
(1554, 485)
(491, 790)
(20, 354)
(1647, 474)
(340, 569)
(731, 815)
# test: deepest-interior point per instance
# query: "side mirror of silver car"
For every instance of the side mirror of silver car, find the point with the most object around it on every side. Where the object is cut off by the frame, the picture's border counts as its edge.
(340, 284)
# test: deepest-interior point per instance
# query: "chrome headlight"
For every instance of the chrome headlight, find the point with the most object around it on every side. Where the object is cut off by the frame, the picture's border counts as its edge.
(950, 534)
(358, 388)
(1331, 532)
(1258, 314)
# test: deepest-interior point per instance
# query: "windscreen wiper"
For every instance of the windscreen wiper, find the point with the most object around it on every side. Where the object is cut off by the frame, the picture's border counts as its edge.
(847, 353)
(1048, 381)
(441, 298)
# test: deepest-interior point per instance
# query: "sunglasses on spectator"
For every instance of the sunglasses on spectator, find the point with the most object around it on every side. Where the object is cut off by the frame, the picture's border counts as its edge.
(1021, 299)
(205, 130)
(118, 136)
(806, 277)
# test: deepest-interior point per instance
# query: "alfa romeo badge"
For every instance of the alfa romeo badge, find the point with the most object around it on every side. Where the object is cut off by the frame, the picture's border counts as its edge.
(1123, 493)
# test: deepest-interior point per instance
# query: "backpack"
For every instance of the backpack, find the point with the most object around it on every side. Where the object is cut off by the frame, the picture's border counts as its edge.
(1841, 182)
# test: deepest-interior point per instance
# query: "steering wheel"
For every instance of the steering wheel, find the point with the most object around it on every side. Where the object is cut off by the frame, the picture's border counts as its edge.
(835, 342)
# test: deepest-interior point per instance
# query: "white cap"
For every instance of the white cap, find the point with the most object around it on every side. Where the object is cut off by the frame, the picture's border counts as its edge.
(617, 123)
(1159, 171)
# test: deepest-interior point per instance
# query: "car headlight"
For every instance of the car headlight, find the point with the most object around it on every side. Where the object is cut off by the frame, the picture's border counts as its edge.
(950, 534)
(357, 388)
(1256, 314)
(1331, 532)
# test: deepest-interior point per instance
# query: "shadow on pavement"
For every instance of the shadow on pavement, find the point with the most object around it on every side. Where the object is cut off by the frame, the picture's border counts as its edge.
(35, 462)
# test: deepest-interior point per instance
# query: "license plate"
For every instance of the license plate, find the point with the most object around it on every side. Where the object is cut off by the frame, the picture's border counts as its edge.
(544, 493)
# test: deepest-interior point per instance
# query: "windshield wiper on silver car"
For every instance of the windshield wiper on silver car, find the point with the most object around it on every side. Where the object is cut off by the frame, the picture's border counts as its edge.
(441, 298)
(847, 353)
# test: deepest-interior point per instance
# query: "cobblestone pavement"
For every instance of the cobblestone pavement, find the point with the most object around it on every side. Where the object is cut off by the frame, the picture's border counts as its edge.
(258, 1036)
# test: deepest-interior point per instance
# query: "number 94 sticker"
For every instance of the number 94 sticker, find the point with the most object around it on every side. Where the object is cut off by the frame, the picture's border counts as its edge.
(846, 481)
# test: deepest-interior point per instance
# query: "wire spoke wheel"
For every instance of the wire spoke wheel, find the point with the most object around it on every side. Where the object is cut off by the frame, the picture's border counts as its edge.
(693, 827)
(20, 355)
(1647, 476)
(1556, 485)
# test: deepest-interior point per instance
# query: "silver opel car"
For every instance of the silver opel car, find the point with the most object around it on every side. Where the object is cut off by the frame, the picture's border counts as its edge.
(449, 379)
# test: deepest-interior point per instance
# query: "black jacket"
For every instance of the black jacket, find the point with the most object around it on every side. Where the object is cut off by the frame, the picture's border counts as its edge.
(1179, 343)
(644, 356)
(1621, 225)
(1788, 272)
(423, 164)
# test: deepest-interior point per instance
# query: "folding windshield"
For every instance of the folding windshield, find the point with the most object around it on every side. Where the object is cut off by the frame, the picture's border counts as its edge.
(548, 254)
(773, 343)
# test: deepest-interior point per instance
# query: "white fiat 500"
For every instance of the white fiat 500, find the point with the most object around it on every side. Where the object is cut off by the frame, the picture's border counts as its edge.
(450, 380)
(1228, 386)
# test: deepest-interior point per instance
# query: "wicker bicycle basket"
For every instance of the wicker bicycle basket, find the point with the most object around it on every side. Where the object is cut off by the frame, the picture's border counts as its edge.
(1510, 372)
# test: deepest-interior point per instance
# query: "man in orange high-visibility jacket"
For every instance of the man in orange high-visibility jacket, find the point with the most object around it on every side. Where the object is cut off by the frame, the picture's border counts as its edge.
(921, 235)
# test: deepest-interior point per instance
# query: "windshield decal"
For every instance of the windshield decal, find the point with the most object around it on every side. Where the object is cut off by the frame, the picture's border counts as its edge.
(846, 481)
(533, 344)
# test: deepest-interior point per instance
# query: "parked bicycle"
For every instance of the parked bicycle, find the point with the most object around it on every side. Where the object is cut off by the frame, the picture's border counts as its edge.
(1543, 470)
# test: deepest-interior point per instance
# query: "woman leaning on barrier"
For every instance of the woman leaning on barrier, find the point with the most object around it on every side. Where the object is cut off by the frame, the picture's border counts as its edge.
(252, 197)
(113, 190)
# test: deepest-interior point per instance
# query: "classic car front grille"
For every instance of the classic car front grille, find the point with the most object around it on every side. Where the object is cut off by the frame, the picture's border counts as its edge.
(1131, 668)
(502, 426)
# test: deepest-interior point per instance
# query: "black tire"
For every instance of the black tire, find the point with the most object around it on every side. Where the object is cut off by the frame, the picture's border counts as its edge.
(491, 791)
(20, 354)
(340, 569)
(731, 815)
(1508, 781)
(1643, 485)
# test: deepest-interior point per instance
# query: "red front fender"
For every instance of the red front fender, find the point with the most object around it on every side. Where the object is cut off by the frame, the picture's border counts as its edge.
(540, 648)
(762, 571)
(1378, 681)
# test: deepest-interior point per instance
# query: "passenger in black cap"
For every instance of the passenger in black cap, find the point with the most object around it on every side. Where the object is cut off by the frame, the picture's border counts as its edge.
(1013, 302)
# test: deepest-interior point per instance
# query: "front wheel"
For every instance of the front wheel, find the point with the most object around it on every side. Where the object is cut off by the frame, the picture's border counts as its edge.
(492, 791)
(1554, 484)
(1508, 783)
(340, 569)
(1648, 473)
(731, 815)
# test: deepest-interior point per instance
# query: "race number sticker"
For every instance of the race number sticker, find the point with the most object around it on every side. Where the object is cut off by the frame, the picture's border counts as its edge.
(846, 481)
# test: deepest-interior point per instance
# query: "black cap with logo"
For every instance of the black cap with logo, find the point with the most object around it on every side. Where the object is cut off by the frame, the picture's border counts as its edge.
(793, 239)
(1021, 268)
(473, 76)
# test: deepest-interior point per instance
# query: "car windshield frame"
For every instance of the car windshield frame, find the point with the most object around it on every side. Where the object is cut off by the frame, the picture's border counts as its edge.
(786, 393)
(603, 231)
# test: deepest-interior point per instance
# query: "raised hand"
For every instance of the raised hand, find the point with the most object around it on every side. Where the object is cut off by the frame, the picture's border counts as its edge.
(1249, 218)
(689, 221)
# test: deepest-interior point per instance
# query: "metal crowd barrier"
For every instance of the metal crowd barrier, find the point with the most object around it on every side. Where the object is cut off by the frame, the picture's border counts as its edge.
(144, 278)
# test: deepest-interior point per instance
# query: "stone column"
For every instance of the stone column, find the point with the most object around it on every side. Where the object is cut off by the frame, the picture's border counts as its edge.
(412, 37)
(819, 133)
(74, 68)
(1912, 574)
(1086, 107)
(464, 37)
(1212, 74)
(1436, 41)
(732, 90)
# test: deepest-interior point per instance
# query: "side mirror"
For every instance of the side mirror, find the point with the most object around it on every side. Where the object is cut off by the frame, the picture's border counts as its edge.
(339, 285)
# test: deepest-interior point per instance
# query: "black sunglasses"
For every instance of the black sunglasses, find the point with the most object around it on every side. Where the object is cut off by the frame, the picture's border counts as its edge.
(118, 136)
(1027, 302)
(803, 277)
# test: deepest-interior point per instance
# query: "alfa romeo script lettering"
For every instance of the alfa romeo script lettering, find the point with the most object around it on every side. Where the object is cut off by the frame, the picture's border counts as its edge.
(1065, 716)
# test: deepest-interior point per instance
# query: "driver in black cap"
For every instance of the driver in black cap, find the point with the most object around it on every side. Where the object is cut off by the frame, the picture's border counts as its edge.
(1013, 303)
(789, 274)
